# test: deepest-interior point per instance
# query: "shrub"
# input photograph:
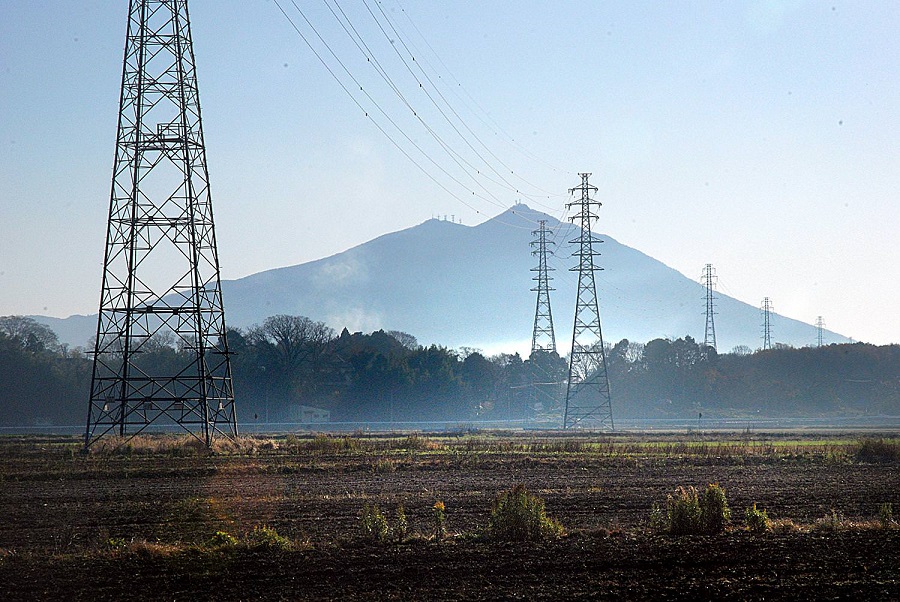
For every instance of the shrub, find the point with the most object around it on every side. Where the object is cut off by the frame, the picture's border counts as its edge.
(757, 520)
(714, 511)
(689, 513)
(516, 515)
(267, 538)
(878, 451)
(886, 515)
(373, 523)
(683, 511)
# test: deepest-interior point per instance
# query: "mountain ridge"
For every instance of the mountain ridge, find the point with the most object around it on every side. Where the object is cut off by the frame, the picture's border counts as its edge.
(457, 285)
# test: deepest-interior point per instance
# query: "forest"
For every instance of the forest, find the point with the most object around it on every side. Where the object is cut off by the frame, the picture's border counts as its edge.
(292, 361)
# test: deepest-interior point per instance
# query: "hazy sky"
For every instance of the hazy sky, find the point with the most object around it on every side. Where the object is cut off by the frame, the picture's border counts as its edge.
(759, 136)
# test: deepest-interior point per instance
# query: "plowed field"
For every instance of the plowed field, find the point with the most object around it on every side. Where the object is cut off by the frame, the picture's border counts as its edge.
(137, 524)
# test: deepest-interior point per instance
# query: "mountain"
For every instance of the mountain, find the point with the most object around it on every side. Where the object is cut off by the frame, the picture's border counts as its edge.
(461, 285)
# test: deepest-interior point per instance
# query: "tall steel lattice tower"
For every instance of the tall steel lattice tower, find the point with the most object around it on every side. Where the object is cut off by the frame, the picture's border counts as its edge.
(543, 338)
(766, 310)
(820, 331)
(588, 399)
(161, 286)
(709, 281)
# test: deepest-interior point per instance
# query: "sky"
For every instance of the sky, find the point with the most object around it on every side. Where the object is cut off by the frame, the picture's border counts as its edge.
(758, 136)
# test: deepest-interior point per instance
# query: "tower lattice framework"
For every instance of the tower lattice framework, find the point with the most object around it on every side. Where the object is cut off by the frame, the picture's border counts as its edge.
(709, 281)
(766, 310)
(543, 338)
(588, 401)
(161, 356)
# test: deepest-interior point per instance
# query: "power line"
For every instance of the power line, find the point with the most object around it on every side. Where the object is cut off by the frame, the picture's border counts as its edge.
(356, 88)
(447, 103)
(372, 119)
(499, 129)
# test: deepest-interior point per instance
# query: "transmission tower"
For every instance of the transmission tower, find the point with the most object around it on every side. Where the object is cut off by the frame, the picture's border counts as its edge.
(709, 281)
(161, 288)
(820, 331)
(543, 338)
(766, 309)
(587, 393)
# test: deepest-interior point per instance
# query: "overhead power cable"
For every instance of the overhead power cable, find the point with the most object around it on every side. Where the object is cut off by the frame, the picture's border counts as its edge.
(372, 59)
(449, 121)
(356, 88)
(494, 126)
(377, 106)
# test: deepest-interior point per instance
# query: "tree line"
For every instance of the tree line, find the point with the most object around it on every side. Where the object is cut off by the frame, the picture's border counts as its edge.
(288, 362)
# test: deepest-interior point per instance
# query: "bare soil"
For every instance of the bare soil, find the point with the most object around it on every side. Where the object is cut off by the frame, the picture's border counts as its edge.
(112, 526)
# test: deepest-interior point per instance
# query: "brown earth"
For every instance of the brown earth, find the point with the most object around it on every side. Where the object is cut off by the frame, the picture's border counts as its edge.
(112, 526)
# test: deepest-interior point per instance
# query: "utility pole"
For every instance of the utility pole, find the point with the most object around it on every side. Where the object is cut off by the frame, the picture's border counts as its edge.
(161, 286)
(588, 397)
(766, 309)
(709, 281)
(820, 329)
(543, 337)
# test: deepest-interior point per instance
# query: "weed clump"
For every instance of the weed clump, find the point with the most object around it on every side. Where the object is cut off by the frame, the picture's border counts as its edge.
(416, 442)
(878, 451)
(714, 511)
(886, 515)
(690, 513)
(267, 538)
(222, 539)
(116, 544)
(373, 523)
(401, 525)
(757, 521)
(517, 515)
(832, 521)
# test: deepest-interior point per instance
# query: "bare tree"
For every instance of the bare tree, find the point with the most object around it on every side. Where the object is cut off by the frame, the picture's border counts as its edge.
(293, 339)
(405, 339)
(29, 333)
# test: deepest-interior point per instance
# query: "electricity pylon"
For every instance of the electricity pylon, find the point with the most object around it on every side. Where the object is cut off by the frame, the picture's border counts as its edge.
(820, 331)
(709, 281)
(161, 356)
(766, 309)
(543, 338)
(588, 400)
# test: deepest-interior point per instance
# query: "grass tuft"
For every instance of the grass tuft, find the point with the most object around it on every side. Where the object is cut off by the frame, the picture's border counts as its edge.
(517, 515)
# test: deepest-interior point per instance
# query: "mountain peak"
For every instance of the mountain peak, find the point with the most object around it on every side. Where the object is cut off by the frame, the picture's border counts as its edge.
(455, 285)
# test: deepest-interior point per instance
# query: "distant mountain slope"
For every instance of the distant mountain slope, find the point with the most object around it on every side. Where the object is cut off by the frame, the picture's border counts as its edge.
(459, 285)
